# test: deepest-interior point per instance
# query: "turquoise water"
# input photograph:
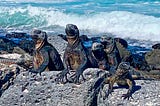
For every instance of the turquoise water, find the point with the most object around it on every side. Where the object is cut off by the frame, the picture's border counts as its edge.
(133, 19)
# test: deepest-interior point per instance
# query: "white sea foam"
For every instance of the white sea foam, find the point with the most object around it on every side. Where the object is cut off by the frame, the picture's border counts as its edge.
(38, 1)
(121, 23)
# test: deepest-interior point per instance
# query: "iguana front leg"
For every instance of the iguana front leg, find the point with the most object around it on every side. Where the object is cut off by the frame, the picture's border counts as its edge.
(130, 90)
(76, 77)
(62, 76)
(112, 80)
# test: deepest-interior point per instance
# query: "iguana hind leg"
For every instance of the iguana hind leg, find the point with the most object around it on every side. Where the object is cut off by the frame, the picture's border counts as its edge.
(130, 90)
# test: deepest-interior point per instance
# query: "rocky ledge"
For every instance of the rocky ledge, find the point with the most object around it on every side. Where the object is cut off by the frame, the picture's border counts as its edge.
(35, 90)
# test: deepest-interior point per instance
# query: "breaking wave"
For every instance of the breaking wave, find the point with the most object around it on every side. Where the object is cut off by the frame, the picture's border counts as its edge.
(120, 23)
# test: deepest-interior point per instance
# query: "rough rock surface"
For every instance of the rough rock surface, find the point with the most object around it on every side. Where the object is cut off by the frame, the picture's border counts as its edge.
(30, 90)
(9, 68)
(7, 75)
(42, 90)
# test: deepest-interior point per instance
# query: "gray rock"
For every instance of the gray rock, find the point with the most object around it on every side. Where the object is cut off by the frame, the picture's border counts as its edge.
(153, 58)
(46, 92)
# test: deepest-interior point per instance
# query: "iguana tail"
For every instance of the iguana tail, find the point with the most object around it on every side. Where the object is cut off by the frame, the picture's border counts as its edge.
(145, 75)
(7, 61)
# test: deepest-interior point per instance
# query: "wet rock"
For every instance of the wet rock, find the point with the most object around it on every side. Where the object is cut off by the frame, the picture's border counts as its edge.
(16, 39)
(6, 45)
(156, 46)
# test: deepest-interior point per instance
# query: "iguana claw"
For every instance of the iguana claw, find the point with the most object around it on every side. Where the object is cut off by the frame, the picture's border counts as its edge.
(127, 96)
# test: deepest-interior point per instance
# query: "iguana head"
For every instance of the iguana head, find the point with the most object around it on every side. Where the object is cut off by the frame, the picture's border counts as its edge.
(39, 37)
(123, 68)
(97, 50)
(72, 33)
(108, 43)
(37, 34)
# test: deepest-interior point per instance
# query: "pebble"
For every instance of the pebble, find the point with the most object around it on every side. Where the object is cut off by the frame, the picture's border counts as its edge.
(26, 91)
(37, 82)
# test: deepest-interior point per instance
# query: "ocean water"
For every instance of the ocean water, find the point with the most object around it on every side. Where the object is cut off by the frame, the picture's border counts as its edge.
(135, 20)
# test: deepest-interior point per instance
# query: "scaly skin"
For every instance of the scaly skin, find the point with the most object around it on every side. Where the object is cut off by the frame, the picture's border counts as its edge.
(127, 80)
(75, 56)
(74, 59)
(125, 75)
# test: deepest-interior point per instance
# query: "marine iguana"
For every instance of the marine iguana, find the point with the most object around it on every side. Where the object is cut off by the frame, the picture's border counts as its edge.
(45, 56)
(112, 52)
(75, 56)
(122, 76)
(98, 57)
